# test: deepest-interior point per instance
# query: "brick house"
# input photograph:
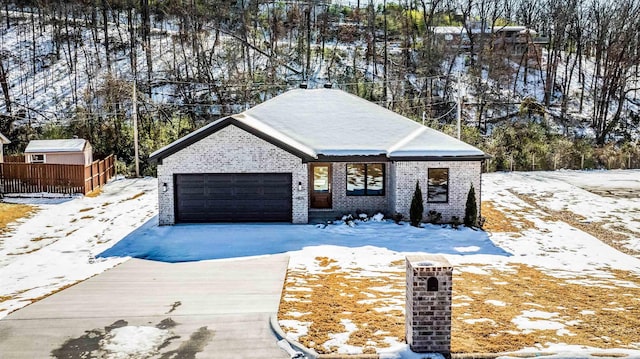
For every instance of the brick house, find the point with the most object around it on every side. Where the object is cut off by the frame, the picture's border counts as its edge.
(310, 155)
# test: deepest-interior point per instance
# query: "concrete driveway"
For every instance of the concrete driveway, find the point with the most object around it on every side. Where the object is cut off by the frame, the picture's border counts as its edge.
(208, 309)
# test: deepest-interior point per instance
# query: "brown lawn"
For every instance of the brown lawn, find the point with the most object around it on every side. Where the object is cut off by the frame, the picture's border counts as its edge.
(10, 212)
(592, 311)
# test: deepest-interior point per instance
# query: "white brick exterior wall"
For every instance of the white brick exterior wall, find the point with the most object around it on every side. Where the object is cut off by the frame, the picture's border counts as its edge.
(232, 150)
(349, 204)
(461, 175)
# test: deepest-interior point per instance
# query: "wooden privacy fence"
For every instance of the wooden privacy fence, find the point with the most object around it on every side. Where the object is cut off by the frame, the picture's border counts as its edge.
(98, 173)
(55, 178)
(14, 158)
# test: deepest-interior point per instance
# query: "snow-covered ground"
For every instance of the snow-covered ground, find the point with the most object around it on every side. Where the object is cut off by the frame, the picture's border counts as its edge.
(57, 246)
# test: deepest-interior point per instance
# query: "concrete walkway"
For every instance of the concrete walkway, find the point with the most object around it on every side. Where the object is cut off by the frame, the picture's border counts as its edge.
(208, 309)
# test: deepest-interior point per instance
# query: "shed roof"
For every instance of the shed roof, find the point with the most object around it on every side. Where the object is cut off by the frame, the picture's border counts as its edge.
(67, 145)
(333, 123)
(4, 140)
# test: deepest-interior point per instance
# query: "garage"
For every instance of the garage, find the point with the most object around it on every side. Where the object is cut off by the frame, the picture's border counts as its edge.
(233, 197)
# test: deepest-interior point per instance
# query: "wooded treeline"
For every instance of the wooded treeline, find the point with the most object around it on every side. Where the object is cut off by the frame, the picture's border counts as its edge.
(68, 67)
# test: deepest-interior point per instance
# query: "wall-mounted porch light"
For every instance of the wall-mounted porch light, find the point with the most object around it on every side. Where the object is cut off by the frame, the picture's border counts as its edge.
(299, 186)
(164, 187)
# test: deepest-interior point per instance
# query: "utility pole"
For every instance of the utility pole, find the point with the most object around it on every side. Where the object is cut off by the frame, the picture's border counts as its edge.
(386, 58)
(459, 114)
(459, 107)
(134, 95)
(134, 99)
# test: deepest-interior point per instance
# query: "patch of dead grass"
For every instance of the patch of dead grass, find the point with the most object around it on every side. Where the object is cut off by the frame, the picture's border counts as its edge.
(95, 193)
(137, 195)
(615, 236)
(33, 300)
(324, 261)
(530, 288)
(11, 212)
(27, 252)
(40, 238)
(85, 209)
(609, 355)
(334, 296)
(503, 220)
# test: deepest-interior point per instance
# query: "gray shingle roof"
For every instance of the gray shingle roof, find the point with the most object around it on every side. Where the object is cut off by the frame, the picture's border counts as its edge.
(331, 122)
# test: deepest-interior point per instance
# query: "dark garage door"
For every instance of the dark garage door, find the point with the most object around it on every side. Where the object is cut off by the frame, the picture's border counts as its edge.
(233, 197)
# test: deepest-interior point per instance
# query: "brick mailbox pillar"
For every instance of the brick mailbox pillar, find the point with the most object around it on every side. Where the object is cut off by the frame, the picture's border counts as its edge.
(428, 309)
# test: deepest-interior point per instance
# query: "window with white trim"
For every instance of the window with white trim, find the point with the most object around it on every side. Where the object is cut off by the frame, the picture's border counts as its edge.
(37, 158)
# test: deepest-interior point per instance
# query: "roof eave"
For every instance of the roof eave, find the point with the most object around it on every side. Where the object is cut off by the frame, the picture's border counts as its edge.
(481, 157)
(352, 158)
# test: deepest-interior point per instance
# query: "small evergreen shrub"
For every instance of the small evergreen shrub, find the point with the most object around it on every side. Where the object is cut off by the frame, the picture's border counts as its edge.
(397, 217)
(471, 209)
(434, 217)
(455, 222)
(417, 209)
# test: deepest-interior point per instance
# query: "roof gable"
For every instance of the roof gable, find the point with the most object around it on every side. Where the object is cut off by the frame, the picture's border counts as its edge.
(218, 125)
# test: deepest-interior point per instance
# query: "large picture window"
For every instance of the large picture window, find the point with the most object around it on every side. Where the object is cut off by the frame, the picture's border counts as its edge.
(365, 179)
(438, 185)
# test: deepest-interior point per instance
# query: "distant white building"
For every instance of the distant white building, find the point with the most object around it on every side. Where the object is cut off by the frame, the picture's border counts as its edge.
(513, 40)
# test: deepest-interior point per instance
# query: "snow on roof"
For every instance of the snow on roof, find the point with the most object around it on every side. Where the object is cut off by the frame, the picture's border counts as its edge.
(432, 143)
(68, 145)
(510, 28)
(332, 122)
(448, 29)
(458, 30)
(270, 131)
